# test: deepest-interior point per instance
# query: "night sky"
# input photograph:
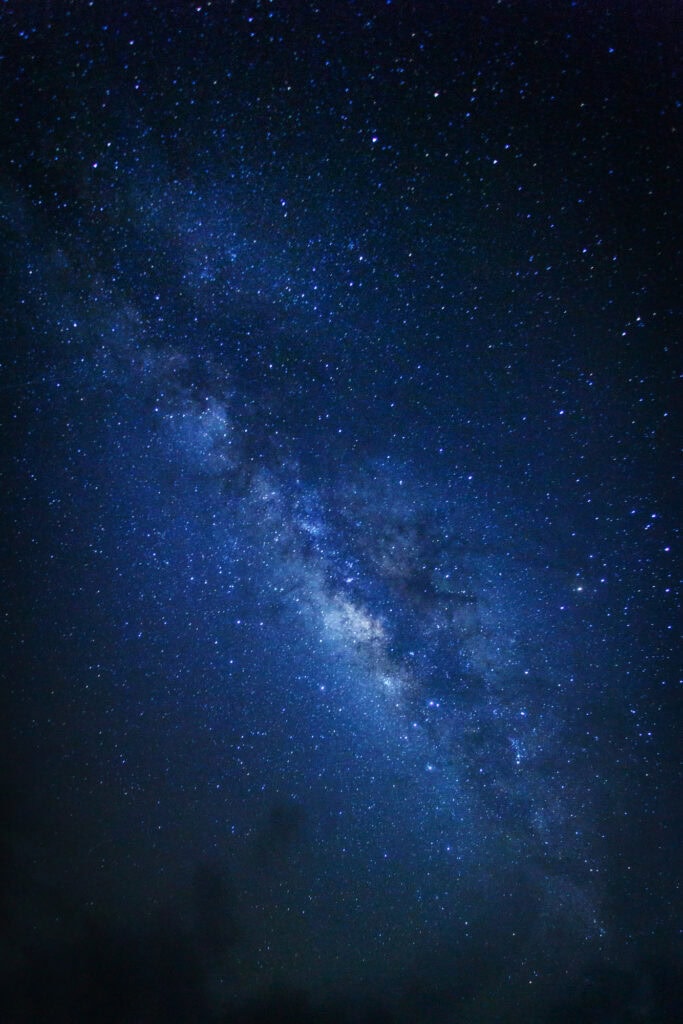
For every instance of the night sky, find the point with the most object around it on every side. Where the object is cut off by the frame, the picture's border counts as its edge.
(339, 512)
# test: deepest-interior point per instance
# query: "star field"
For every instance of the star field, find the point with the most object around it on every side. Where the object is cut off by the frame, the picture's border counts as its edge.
(340, 512)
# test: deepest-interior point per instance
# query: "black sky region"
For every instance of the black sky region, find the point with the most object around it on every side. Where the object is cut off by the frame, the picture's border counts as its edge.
(339, 512)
